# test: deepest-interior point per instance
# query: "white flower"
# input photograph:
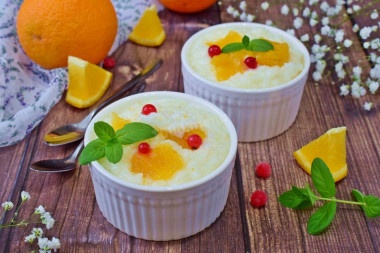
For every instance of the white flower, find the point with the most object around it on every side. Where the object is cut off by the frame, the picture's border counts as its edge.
(341, 57)
(313, 22)
(349, 1)
(357, 71)
(25, 195)
(375, 72)
(325, 21)
(349, 10)
(356, 7)
(320, 65)
(373, 86)
(43, 244)
(365, 32)
(305, 37)
(37, 232)
(284, 10)
(355, 90)
(326, 30)
(235, 13)
(230, 9)
(40, 210)
(339, 35)
(367, 106)
(7, 205)
(344, 90)
(306, 12)
(324, 6)
(375, 43)
(317, 76)
(338, 66)
(54, 244)
(366, 44)
(347, 43)
(269, 22)
(311, 2)
(30, 238)
(250, 18)
(265, 6)
(314, 15)
(243, 6)
(374, 28)
(297, 22)
(243, 16)
(290, 31)
(373, 57)
(317, 38)
(341, 73)
(355, 28)
(374, 14)
(295, 11)
(47, 220)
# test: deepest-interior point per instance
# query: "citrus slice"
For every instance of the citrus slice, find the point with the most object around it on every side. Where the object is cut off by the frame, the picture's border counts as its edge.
(331, 148)
(87, 82)
(148, 31)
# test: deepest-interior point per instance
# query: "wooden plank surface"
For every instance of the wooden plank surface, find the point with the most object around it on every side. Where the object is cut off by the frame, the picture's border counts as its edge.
(240, 228)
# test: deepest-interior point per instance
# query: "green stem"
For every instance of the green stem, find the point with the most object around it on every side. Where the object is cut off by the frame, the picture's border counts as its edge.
(14, 225)
(1, 216)
(16, 213)
(341, 201)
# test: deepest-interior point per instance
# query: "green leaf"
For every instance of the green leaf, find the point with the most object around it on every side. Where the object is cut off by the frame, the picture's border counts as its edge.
(294, 199)
(260, 45)
(114, 151)
(306, 202)
(104, 131)
(245, 41)
(321, 218)
(233, 47)
(322, 178)
(311, 194)
(358, 195)
(372, 207)
(135, 132)
(92, 152)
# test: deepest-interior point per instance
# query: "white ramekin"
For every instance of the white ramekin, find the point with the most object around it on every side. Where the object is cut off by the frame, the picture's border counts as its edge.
(258, 114)
(163, 213)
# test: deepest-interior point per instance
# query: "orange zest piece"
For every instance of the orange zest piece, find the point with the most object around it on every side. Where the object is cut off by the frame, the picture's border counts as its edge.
(183, 140)
(117, 122)
(161, 163)
(331, 148)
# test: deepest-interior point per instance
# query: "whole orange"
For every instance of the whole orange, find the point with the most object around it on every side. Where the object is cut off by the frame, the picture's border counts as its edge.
(51, 30)
(187, 6)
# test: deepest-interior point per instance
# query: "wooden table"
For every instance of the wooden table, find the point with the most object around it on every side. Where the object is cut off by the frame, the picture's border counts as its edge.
(241, 228)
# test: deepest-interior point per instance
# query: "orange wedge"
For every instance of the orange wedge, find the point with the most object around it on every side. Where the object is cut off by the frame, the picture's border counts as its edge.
(148, 31)
(87, 82)
(331, 148)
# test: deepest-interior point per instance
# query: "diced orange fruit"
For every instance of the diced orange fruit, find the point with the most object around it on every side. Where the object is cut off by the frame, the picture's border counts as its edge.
(117, 122)
(331, 148)
(161, 163)
(229, 64)
(183, 140)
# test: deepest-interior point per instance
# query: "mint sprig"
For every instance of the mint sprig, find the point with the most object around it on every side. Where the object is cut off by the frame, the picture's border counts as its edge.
(255, 45)
(300, 198)
(110, 143)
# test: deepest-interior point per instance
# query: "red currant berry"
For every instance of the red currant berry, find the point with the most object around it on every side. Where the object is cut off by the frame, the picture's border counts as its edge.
(144, 148)
(263, 170)
(109, 63)
(258, 198)
(148, 109)
(194, 141)
(251, 62)
(214, 50)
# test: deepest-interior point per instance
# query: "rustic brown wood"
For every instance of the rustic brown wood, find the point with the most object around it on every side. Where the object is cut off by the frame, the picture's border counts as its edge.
(240, 228)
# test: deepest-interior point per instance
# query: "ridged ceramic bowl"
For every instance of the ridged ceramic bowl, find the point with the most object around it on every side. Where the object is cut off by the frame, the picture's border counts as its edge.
(164, 213)
(258, 114)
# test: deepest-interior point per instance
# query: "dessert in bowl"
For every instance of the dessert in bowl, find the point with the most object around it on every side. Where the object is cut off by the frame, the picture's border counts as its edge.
(260, 88)
(178, 185)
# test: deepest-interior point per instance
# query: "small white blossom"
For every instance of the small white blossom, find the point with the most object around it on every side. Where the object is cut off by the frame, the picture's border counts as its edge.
(373, 86)
(355, 28)
(295, 11)
(243, 6)
(47, 220)
(357, 71)
(365, 32)
(297, 22)
(43, 244)
(324, 6)
(341, 57)
(269, 22)
(285, 10)
(235, 13)
(347, 43)
(344, 90)
(305, 37)
(341, 73)
(339, 35)
(325, 21)
(317, 76)
(291, 31)
(368, 106)
(326, 30)
(349, 2)
(243, 16)
(320, 65)
(374, 14)
(311, 2)
(30, 238)
(250, 18)
(355, 90)
(314, 15)
(37, 232)
(366, 44)
(375, 72)
(349, 10)
(25, 195)
(313, 22)
(7, 205)
(374, 28)
(230, 9)
(375, 43)
(265, 6)
(40, 210)
(54, 244)
(306, 12)
(373, 57)
(356, 7)
(317, 38)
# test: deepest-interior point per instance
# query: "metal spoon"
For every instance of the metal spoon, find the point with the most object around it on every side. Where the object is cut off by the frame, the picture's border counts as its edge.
(68, 163)
(74, 132)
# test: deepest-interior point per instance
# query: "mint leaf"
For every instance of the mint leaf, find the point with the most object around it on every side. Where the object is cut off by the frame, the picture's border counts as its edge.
(372, 207)
(114, 151)
(135, 132)
(294, 199)
(358, 195)
(306, 202)
(311, 194)
(245, 41)
(322, 178)
(92, 152)
(233, 47)
(321, 218)
(260, 45)
(104, 131)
